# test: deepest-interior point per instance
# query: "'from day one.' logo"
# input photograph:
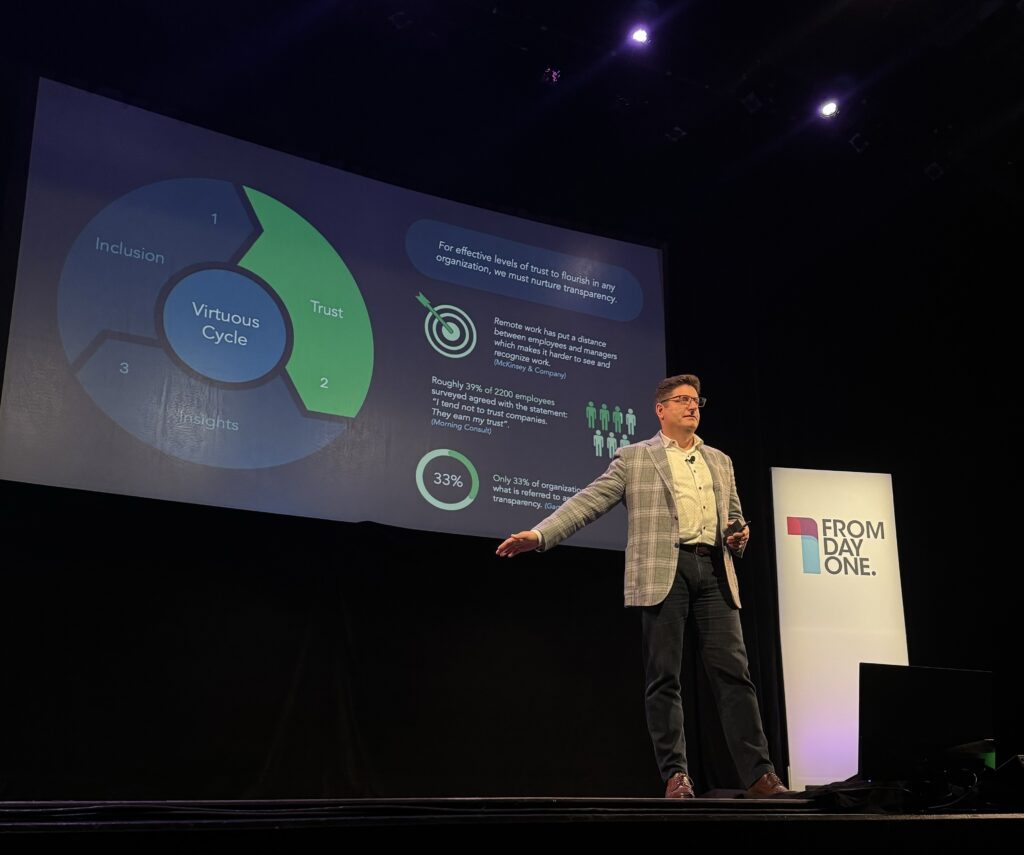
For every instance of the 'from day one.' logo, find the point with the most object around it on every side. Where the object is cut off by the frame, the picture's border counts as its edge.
(841, 542)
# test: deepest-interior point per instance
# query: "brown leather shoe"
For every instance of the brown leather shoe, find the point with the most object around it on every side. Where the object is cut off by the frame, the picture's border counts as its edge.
(679, 786)
(766, 786)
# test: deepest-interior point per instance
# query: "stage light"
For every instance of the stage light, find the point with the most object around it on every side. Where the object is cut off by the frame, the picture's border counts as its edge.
(828, 110)
(752, 103)
(639, 36)
(399, 20)
(551, 75)
(859, 143)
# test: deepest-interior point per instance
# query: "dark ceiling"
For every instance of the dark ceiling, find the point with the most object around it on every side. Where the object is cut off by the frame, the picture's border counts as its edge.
(451, 98)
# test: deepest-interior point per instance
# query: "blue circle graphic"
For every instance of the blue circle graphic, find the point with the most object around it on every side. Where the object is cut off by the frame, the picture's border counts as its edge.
(224, 326)
(156, 296)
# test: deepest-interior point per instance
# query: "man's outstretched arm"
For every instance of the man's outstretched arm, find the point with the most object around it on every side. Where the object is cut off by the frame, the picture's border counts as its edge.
(524, 541)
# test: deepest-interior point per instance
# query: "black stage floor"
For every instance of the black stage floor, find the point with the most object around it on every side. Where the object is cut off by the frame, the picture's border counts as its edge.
(783, 819)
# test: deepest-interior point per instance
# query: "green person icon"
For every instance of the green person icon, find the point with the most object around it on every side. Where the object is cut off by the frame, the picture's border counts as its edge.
(617, 418)
(604, 416)
(630, 421)
(591, 415)
(612, 444)
(598, 443)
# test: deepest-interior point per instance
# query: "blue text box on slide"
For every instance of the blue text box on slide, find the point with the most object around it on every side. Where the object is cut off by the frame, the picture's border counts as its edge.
(513, 269)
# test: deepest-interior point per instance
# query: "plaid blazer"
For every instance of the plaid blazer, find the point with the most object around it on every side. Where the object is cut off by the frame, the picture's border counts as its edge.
(639, 475)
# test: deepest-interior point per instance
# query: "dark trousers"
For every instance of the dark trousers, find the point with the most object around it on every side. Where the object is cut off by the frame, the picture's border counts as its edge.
(700, 592)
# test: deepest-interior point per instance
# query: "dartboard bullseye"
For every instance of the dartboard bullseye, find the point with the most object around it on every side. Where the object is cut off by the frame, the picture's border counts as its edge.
(450, 331)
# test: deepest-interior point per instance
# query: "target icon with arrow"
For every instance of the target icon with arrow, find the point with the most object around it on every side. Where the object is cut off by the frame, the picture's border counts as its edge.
(448, 329)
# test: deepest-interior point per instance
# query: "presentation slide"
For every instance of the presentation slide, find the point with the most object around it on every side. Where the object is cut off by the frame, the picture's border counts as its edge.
(205, 320)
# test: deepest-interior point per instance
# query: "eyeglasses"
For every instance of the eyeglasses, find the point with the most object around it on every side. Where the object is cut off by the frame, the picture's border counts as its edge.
(685, 400)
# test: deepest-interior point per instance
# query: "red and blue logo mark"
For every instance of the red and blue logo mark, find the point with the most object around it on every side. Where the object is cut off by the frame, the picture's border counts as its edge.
(841, 542)
(807, 530)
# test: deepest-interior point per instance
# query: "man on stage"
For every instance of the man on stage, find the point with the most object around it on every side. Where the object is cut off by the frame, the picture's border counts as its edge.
(685, 525)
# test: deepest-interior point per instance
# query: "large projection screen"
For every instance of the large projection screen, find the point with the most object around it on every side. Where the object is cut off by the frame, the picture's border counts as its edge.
(205, 320)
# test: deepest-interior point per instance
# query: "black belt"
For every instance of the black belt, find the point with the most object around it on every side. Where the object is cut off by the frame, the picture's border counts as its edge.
(697, 548)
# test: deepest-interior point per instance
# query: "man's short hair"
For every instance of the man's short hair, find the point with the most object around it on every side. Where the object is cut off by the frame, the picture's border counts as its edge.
(666, 386)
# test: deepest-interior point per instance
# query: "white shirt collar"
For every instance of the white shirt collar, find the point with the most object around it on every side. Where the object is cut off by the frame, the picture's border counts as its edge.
(668, 442)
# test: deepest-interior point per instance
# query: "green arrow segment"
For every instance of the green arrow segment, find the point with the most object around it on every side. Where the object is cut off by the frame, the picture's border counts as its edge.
(332, 350)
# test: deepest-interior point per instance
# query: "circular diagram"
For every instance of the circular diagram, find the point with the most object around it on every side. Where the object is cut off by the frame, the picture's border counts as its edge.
(216, 324)
(447, 479)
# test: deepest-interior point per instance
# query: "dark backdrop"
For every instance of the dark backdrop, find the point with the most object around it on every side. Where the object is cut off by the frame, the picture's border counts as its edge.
(150, 649)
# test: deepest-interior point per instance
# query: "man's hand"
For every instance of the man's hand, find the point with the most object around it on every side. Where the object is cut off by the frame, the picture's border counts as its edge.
(525, 541)
(737, 541)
